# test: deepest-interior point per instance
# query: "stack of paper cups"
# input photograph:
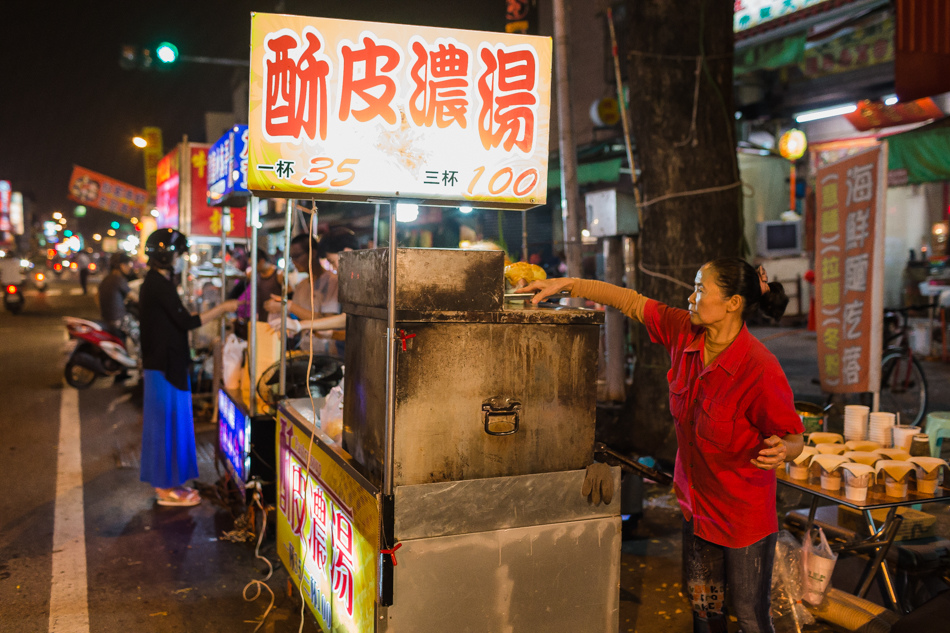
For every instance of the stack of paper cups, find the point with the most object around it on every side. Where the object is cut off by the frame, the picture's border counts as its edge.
(856, 422)
(903, 435)
(880, 428)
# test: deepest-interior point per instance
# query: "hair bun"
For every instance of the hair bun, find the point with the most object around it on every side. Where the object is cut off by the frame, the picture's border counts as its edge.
(774, 302)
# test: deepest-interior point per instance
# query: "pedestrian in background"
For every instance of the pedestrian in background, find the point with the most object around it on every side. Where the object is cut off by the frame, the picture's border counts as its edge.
(82, 263)
(113, 290)
(169, 458)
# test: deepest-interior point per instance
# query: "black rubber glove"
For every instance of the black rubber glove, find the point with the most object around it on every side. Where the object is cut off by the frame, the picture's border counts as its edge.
(598, 484)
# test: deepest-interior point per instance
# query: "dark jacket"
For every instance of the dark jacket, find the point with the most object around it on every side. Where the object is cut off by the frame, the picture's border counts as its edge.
(164, 326)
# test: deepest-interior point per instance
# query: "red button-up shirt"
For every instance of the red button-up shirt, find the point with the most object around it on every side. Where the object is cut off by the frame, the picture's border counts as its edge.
(723, 413)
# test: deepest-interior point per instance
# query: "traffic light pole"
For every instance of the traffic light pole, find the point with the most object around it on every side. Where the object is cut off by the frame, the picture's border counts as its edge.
(217, 61)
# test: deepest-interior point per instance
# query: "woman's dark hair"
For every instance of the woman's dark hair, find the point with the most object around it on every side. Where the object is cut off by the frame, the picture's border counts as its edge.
(738, 277)
(262, 255)
(307, 243)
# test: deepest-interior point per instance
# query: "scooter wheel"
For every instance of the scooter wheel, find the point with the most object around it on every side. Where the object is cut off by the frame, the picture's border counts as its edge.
(78, 376)
(15, 308)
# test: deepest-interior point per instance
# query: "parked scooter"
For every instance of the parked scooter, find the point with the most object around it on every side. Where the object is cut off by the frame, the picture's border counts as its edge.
(12, 279)
(13, 298)
(97, 353)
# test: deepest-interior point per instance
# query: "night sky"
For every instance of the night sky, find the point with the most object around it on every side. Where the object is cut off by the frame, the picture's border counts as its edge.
(64, 99)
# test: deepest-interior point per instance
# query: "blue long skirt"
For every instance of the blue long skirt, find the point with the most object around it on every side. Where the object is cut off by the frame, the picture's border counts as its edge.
(169, 458)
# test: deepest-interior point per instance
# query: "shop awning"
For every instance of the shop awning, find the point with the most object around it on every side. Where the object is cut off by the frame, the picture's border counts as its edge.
(587, 173)
(921, 155)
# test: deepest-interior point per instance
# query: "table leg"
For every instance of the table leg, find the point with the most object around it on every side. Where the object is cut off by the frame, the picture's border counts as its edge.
(887, 531)
(811, 515)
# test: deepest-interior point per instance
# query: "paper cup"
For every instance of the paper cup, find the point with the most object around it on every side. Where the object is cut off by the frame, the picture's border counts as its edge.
(856, 493)
(897, 489)
(831, 481)
(926, 486)
(903, 435)
(797, 472)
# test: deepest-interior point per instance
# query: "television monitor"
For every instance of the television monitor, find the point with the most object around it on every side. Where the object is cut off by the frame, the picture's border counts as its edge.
(779, 239)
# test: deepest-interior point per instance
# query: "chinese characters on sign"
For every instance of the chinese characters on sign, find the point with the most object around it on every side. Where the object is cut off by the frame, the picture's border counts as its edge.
(227, 169)
(848, 260)
(152, 154)
(327, 533)
(352, 110)
(95, 190)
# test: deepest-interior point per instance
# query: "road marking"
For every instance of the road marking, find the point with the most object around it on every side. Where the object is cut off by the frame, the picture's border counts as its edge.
(75, 291)
(69, 603)
(55, 292)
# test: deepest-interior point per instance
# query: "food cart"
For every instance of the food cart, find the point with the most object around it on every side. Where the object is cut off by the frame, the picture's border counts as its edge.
(451, 499)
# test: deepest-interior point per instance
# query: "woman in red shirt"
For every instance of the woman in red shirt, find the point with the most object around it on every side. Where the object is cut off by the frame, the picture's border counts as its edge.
(735, 423)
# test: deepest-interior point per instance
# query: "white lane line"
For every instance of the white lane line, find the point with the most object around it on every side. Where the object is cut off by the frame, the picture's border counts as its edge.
(55, 292)
(68, 604)
(75, 291)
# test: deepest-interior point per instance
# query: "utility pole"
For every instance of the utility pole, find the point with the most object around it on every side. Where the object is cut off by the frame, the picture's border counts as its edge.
(572, 213)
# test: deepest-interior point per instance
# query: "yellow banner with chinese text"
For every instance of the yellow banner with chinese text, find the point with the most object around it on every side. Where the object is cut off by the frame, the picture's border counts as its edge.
(327, 533)
(350, 110)
(849, 276)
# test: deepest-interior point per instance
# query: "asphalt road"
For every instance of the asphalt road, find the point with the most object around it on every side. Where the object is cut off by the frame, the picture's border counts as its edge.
(129, 564)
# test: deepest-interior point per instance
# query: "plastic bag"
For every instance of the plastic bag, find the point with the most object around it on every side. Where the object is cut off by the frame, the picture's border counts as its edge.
(788, 613)
(232, 358)
(331, 415)
(818, 562)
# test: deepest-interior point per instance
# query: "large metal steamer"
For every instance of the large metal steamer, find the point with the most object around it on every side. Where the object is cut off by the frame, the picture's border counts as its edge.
(492, 415)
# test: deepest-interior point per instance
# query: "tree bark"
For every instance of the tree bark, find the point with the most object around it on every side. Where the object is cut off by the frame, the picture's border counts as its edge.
(679, 234)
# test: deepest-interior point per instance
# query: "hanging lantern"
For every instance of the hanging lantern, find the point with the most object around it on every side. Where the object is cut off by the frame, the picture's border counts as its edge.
(793, 144)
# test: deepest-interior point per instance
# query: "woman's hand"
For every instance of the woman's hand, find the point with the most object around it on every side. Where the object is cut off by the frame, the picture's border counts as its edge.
(272, 304)
(544, 288)
(773, 455)
(231, 305)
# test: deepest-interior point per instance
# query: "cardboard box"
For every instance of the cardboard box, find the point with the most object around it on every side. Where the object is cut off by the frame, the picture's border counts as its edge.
(916, 524)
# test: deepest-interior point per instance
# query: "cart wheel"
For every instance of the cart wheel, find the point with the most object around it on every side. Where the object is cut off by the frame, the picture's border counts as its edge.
(78, 376)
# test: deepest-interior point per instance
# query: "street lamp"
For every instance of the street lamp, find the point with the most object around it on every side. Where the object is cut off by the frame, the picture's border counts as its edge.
(97, 237)
(57, 216)
(139, 142)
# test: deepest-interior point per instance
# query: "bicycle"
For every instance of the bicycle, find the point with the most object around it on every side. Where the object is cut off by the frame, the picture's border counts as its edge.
(903, 383)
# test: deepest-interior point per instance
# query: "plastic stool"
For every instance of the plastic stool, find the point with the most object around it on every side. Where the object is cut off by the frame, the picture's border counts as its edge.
(937, 428)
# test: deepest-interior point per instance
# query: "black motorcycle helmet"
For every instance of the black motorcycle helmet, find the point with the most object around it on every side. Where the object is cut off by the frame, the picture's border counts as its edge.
(162, 246)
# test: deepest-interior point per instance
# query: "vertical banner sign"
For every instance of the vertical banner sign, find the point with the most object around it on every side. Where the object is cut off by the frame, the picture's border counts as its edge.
(227, 169)
(346, 110)
(327, 533)
(5, 193)
(152, 154)
(167, 181)
(849, 267)
(206, 219)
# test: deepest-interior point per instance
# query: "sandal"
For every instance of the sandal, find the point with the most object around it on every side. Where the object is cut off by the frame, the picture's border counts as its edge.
(181, 496)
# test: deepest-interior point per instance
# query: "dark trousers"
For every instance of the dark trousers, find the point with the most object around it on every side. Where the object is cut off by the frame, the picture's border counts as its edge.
(708, 569)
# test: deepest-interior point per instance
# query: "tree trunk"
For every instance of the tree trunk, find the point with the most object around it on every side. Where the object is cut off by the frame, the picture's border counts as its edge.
(675, 155)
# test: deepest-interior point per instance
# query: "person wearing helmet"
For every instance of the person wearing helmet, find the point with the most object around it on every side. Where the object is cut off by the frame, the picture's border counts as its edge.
(169, 458)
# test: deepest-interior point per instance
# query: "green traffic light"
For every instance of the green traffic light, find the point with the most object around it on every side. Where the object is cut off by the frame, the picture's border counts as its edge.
(114, 225)
(167, 52)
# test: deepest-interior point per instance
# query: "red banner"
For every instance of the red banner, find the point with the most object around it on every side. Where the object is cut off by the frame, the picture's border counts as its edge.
(849, 271)
(205, 219)
(95, 190)
(871, 115)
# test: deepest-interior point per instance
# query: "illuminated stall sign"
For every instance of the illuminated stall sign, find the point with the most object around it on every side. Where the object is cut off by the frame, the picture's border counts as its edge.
(96, 190)
(227, 169)
(234, 435)
(352, 110)
(849, 271)
(166, 187)
(327, 533)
